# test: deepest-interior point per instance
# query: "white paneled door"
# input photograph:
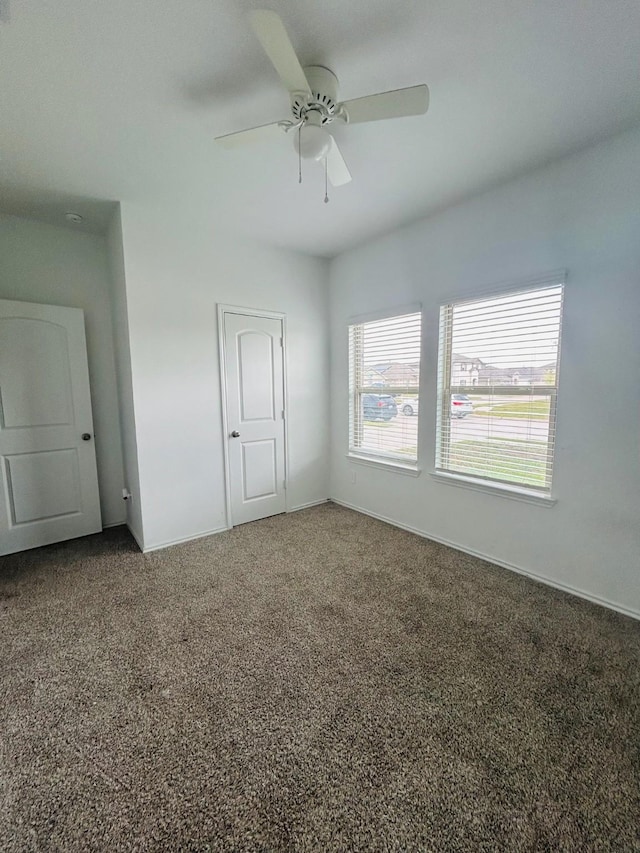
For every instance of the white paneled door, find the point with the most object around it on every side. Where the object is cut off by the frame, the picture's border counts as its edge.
(48, 480)
(254, 379)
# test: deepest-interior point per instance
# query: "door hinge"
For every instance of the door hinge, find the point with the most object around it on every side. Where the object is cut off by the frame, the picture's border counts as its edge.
(283, 415)
(282, 342)
(284, 485)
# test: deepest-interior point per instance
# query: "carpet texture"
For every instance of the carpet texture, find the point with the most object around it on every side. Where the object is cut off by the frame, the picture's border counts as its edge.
(316, 681)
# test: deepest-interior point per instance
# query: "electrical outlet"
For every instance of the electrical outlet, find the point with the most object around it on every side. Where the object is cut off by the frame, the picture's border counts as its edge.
(354, 478)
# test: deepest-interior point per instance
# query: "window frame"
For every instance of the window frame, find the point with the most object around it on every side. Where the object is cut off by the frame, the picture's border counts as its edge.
(445, 390)
(387, 460)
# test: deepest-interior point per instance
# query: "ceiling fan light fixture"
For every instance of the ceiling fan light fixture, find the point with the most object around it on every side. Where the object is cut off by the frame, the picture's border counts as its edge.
(312, 142)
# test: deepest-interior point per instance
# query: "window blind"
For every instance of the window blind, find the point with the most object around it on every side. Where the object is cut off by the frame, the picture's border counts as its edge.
(498, 370)
(384, 377)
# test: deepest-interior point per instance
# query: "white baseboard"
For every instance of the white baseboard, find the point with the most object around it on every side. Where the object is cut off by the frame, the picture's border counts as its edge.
(160, 545)
(308, 505)
(136, 536)
(603, 602)
(122, 523)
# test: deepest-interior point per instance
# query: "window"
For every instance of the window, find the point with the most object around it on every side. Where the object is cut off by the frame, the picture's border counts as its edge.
(384, 374)
(496, 418)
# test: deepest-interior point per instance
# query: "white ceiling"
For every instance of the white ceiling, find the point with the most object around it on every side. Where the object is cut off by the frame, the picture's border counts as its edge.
(121, 100)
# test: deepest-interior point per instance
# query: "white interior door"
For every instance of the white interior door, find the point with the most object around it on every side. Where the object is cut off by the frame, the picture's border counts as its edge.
(254, 368)
(48, 480)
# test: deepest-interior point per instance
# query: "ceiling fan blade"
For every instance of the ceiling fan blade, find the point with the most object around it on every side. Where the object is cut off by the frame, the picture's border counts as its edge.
(263, 133)
(273, 37)
(412, 101)
(337, 169)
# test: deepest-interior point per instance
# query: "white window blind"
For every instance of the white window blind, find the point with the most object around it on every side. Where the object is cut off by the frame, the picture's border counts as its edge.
(497, 379)
(384, 371)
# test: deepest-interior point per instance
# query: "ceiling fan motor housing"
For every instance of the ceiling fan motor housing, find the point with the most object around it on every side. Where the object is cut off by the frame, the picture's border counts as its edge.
(323, 98)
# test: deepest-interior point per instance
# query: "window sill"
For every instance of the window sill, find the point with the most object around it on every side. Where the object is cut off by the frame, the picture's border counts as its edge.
(397, 467)
(499, 490)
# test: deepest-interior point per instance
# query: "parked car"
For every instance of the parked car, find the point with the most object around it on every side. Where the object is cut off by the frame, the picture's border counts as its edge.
(379, 406)
(461, 406)
(409, 407)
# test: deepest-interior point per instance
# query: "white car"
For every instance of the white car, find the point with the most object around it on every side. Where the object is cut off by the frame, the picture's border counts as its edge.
(461, 406)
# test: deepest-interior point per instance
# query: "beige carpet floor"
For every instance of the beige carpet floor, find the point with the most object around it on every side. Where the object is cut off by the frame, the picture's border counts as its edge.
(317, 681)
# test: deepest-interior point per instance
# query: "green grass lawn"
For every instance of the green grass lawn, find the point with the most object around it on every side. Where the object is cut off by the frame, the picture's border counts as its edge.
(516, 461)
(537, 410)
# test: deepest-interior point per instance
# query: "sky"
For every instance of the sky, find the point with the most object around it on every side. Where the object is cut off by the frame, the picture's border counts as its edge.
(517, 330)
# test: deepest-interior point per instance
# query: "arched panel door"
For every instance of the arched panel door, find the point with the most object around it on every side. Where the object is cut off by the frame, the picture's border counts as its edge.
(48, 479)
(254, 381)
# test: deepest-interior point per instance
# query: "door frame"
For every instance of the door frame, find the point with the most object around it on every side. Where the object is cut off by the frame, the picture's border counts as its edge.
(269, 315)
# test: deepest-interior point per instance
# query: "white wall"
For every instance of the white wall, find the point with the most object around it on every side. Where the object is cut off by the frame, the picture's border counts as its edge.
(177, 270)
(58, 266)
(115, 255)
(582, 214)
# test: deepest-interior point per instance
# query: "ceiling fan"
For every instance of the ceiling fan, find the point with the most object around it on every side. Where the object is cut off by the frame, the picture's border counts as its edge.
(313, 93)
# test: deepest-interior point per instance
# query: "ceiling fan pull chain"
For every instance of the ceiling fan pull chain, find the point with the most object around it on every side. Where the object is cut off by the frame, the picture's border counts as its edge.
(326, 181)
(299, 155)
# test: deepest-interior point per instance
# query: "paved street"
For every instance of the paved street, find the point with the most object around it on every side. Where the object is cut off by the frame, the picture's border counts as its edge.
(401, 431)
(481, 427)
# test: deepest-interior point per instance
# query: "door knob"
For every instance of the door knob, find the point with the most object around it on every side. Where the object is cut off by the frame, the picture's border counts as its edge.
(235, 434)
(86, 436)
